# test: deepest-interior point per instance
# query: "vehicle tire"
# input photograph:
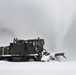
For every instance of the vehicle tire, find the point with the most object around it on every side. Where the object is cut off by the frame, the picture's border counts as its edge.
(31, 59)
(16, 59)
(5, 59)
(0, 58)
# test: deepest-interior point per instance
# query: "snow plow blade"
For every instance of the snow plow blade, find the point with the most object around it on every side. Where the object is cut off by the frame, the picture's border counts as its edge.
(60, 54)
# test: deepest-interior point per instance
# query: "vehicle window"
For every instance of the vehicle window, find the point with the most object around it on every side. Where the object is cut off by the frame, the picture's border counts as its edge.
(30, 43)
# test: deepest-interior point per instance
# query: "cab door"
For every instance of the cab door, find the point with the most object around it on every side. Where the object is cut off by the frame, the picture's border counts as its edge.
(31, 47)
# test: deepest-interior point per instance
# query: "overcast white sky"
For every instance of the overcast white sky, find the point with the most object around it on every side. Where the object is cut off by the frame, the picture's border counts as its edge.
(53, 20)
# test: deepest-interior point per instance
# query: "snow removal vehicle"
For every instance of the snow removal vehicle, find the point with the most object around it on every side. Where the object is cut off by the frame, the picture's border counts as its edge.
(26, 50)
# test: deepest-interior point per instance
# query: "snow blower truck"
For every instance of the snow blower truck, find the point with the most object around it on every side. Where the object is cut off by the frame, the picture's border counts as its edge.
(27, 50)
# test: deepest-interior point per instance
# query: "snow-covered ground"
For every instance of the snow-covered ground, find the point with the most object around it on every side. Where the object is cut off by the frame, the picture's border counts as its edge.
(37, 68)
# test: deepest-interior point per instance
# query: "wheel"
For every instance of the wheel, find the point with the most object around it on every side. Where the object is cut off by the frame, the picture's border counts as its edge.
(16, 59)
(5, 59)
(0, 58)
(31, 59)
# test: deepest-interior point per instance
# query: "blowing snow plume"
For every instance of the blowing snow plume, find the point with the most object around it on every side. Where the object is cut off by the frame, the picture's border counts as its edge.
(63, 29)
(51, 19)
(6, 35)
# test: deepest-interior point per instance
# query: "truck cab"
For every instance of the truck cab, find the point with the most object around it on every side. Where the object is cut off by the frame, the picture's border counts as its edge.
(35, 45)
